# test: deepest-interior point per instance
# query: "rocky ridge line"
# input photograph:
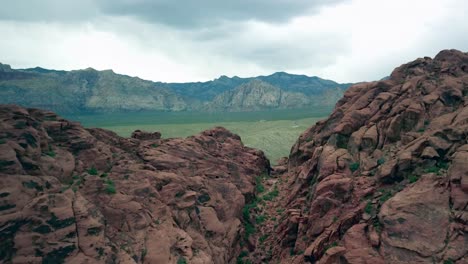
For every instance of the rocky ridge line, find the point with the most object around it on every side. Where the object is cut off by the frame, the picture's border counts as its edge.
(383, 180)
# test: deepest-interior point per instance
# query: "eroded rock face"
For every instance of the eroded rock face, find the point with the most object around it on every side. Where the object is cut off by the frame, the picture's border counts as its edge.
(75, 195)
(384, 178)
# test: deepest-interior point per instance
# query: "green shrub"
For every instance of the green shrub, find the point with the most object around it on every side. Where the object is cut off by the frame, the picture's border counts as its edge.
(243, 254)
(59, 255)
(354, 166)
(263, 238)
(413, 178)
(368, 208)
(259, 188)
(381, 161)
(271, 195)
(181, 260)
(143, 253)
(249, 230)
(246, 210)
(387, 195)
(443, 165)
(110, 187)
(33, 185)
(92, 171)
(93, 231)
(260, 219)
(57, 223)
(334, 244)
(436, 169)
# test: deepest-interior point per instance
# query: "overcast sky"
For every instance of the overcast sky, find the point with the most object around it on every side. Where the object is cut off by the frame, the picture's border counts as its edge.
(199, 40)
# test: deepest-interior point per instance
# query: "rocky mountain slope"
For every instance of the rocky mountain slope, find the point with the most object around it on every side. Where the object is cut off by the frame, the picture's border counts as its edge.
(383, 180)
(85, 91)
(75, 195)
(260, 95)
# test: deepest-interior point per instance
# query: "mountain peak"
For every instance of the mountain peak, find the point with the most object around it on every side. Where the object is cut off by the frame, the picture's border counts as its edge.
(5, 67)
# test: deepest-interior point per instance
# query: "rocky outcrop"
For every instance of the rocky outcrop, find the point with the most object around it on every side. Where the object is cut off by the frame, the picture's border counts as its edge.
(259, 95)
(75, 195)
(384, 178)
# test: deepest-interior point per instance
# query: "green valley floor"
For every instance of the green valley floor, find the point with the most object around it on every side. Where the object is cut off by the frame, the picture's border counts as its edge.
(273, 137)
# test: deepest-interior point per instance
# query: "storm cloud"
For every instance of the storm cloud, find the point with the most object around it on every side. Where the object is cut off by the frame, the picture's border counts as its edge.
(180, 14)
(347, 40)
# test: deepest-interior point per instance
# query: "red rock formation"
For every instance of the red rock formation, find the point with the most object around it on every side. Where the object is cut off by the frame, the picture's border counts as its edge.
(385, 178)
(75, 195)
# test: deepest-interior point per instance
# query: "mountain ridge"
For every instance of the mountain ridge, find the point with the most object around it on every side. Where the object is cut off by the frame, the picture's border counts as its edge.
(90, 90)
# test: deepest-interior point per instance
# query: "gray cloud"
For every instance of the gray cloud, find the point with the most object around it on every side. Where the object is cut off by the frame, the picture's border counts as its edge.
(186, 14)
(196, 13)
(48, 10)
(343, 40)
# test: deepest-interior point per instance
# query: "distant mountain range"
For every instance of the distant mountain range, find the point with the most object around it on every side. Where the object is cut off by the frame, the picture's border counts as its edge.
(89, 90)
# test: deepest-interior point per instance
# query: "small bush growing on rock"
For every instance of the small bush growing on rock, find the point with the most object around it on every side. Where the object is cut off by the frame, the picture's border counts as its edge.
(243, 254)
(59, 255)
(263, 238)
(259, 188)
(271, 195)
(368, 208)
(413, 178)
(110, 187)
(334, 244)
(436, 169)
(57, 223)
(354, 166)
(249, 230)
(92, 171)
(33, 185)
(385, 196)
(181, 260)
(50, 152)
(260, 219)
(93, 231)
(381, 161)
